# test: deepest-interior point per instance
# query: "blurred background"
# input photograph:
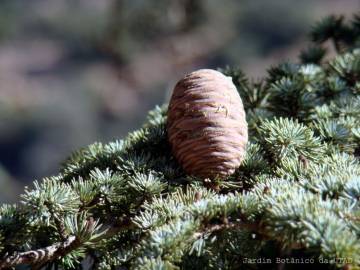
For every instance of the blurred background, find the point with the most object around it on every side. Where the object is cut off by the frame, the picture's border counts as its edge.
(73, 72)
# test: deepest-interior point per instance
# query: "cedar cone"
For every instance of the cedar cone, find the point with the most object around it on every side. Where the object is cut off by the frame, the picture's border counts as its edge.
(206, 124)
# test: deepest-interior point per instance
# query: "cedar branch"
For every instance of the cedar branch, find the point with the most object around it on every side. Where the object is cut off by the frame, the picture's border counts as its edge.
(41, 255)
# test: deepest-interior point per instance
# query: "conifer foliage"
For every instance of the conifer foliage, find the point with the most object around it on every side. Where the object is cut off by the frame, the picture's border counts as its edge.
(129, 205)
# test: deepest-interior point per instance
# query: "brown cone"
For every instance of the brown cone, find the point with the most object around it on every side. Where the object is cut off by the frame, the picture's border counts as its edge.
(206, 124)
